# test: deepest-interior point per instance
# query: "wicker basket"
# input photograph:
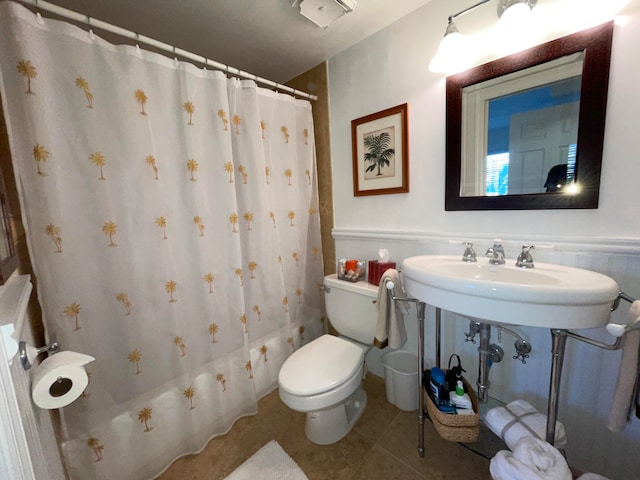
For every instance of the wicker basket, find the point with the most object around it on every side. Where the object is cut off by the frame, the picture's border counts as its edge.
(455, 428)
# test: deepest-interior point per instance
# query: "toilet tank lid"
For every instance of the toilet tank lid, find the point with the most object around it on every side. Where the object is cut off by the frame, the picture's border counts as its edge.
(361, 287)
(319, 366)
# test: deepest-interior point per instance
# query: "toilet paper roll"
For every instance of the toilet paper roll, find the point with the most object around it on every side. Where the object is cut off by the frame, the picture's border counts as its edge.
(60, 379)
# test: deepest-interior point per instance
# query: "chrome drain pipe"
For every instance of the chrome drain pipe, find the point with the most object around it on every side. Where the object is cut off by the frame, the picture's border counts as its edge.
(484, 352)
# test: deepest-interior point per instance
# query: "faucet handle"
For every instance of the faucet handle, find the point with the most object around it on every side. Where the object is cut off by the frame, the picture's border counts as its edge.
(469, 254)
(525, 260)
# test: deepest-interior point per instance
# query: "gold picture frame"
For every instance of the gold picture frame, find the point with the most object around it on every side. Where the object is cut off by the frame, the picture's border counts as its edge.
(380, 143)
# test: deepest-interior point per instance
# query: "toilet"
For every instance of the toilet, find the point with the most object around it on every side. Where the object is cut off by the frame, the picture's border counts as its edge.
(324, 377)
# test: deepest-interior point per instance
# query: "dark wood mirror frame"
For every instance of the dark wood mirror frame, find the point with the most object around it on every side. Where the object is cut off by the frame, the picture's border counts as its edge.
(596, 43)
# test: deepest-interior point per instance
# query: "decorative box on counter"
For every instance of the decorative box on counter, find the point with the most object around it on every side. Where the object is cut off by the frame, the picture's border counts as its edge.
(351, 270)
(376, 269)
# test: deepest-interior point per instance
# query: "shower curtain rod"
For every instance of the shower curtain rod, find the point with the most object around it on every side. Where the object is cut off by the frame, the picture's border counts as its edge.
(92, 22)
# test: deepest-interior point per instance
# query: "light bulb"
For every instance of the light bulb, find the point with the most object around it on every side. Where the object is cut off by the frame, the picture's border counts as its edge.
(454, 54)
(515, 30)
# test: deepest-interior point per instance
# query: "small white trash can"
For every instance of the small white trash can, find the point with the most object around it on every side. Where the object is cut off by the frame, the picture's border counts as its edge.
(401, 379)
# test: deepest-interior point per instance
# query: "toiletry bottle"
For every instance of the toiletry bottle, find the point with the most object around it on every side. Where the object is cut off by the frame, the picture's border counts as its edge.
(436, 386)
(460, 399)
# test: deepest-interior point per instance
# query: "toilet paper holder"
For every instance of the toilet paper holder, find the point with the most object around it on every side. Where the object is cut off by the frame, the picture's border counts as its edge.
(28, 353)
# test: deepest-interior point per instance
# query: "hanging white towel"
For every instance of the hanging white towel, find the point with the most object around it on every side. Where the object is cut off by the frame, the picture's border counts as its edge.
(531, 459)
(628, 375)
(390, 329)
(520, 419)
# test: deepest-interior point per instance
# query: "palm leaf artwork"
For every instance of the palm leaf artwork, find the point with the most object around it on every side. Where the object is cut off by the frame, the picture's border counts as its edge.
(213, 331)
(190, 108)
(378, 152)
(83, 85)
(123, 298)
(72, 311)
(170, 288)
(40, 154)
(144, 416)
(208, 279)
(141, 98)
(110, 229)
(54, 232)
(150, 159)
(134, 357)
(223, 116)
(94, 444)
(223, 383)
(228, 167)
(161, 222)
(97, 158)
(28, 71)
(189, 394)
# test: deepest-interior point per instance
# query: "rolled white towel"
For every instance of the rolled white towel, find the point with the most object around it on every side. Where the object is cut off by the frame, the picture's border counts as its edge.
(592, 476)
(531, 459)
(520, 419)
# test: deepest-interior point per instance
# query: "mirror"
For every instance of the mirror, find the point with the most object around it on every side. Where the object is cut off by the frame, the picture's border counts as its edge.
(526, 131)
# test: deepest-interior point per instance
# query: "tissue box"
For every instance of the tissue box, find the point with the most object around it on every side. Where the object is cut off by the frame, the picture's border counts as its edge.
(351, 270)
(376, 269)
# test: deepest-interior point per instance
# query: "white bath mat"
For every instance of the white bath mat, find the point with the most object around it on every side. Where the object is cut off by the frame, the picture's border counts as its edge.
(271, 462)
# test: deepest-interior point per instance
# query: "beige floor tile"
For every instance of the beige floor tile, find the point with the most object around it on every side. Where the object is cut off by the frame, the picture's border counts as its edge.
(381, 446)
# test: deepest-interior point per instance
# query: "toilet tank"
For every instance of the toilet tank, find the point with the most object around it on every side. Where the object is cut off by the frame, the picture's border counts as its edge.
(351, 308)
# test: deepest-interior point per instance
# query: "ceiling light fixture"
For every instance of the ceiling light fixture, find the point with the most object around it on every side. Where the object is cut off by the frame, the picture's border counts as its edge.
(325, 12)
(455, 53)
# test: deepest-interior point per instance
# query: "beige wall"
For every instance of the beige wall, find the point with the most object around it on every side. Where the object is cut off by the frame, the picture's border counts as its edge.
(315, 82)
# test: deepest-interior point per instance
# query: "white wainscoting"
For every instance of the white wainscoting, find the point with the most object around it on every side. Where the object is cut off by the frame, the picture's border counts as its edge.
(589, 374)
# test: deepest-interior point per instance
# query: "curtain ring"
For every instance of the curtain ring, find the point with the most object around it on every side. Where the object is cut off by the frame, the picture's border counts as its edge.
(137, 42)
(92, 36)
(176, 63)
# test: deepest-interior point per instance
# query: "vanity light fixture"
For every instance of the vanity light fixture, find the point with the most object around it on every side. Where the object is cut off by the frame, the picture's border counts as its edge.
(455, 53)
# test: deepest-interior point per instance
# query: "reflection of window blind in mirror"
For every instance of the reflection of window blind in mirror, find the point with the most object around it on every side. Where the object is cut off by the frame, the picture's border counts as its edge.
(497, 174)
(571, 163)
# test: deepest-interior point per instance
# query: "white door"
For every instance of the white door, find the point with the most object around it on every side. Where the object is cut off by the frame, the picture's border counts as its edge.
(538, 140)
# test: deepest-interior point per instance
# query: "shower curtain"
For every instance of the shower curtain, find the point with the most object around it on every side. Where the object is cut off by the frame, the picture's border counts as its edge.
(172, 222)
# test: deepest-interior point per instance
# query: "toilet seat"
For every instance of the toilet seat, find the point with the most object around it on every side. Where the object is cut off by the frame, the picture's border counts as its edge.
(320, 366)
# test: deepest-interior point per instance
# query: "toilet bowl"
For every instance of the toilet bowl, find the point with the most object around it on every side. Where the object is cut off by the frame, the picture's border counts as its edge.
(324, 377)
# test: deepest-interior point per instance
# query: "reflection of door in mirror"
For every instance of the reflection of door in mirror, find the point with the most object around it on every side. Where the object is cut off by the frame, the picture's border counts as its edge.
(539, 140)
(518, 126)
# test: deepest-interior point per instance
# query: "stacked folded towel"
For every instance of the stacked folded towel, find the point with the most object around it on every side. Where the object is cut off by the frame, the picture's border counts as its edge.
(520, 419)
(531, 459)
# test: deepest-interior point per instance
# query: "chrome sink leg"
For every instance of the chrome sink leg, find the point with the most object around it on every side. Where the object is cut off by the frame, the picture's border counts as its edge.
(420, 310)
(438, 333)
(484, 353)
(559, 341)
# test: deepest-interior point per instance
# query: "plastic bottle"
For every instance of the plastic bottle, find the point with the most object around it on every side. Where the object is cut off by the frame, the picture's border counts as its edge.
(460, 399)
(436, 386)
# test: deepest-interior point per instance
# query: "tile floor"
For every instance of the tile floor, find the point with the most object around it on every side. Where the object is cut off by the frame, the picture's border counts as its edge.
(381, 446)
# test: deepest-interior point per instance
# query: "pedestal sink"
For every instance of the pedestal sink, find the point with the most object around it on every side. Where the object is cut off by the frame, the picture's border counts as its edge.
(550, 296)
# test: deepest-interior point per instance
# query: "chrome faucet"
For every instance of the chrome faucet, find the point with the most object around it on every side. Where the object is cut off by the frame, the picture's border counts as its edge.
(496, 253)
(469, 254)
(525, 260)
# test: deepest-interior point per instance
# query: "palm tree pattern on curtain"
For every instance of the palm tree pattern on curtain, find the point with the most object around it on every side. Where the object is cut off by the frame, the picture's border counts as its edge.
(130, 166)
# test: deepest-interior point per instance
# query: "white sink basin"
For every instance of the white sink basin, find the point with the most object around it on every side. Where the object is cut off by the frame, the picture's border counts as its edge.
(550, 296)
